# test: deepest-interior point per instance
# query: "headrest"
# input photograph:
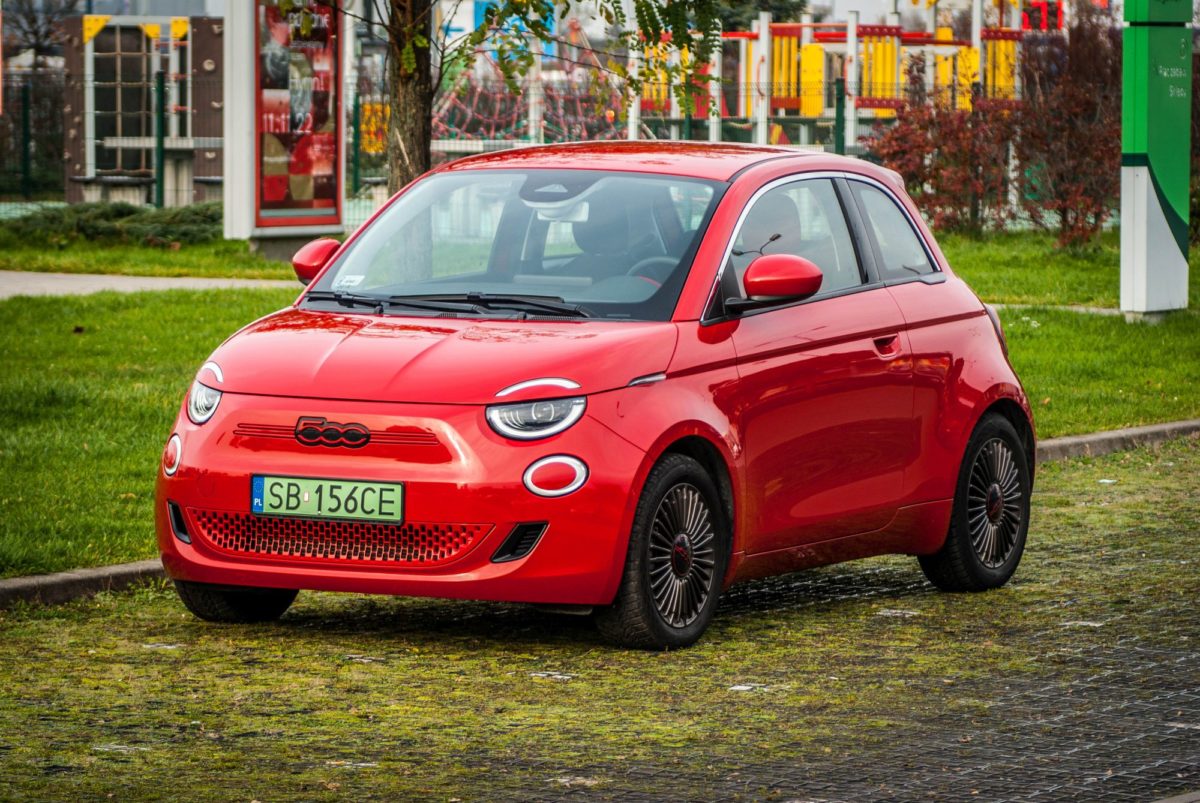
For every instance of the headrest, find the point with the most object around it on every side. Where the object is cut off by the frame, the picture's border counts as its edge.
(775, 213)
(606, 231)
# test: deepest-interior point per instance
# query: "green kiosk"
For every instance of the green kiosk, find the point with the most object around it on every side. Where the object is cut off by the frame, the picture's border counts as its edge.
(1155, 158)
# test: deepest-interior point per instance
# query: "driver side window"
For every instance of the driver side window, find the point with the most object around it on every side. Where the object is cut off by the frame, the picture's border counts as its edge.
(803, 218)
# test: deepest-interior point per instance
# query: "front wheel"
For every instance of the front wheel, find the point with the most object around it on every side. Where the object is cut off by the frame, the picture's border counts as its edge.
(239, 604)
(990, 519)
(675, 566)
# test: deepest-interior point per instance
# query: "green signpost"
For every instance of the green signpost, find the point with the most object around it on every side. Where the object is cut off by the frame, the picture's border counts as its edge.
(1155, 154)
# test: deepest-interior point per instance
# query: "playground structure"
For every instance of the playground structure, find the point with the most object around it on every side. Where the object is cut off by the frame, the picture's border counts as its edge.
(142, 100)
(143, 117)
(805, 75)
(801, 83)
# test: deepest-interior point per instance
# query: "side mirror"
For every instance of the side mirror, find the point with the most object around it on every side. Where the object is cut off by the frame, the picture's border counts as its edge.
(309, 260)
(777, 279)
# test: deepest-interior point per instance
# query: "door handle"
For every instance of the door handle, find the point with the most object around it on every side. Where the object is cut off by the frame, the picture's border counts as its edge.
(888, 345)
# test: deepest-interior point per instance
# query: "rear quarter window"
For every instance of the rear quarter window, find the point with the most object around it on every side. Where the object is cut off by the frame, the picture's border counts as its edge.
(902, 253)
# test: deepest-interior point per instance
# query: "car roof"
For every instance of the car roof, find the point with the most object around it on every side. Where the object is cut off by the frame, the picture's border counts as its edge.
(718, 161)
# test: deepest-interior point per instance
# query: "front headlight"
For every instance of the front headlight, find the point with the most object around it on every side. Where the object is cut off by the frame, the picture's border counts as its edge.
(202, 402)
(527, 421)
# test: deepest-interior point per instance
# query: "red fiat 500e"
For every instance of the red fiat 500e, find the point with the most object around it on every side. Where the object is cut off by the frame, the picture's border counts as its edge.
(615, 377)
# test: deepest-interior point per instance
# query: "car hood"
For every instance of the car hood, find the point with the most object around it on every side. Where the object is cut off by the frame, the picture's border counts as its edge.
(324, 355)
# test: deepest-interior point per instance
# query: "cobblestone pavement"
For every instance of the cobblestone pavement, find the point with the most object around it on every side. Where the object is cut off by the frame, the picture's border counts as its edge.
(1125, 726)
(1079, 681)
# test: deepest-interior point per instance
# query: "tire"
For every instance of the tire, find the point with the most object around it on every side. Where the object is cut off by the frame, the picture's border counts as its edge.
(990, 519)
(675, 564)
(234, 604)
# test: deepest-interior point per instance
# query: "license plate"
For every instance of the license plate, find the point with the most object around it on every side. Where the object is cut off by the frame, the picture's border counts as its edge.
(327, 499)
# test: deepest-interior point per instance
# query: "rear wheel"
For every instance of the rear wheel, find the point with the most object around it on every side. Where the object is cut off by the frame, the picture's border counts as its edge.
(239, 604)
(675, 566)
(990, 520)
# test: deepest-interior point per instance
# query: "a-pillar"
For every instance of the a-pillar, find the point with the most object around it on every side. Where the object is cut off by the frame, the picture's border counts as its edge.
(1156, 112)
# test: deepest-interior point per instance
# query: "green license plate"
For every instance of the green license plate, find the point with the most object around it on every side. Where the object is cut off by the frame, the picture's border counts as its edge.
(327, 499)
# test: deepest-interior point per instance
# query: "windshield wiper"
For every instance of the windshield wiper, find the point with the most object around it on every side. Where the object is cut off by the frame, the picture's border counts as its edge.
(552, 305)
(379, 302)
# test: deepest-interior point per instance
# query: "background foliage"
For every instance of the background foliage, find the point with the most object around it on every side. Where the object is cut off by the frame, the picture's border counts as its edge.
(1057, 152)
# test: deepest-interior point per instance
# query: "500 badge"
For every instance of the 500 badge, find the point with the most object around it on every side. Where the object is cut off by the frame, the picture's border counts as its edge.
(314, 431)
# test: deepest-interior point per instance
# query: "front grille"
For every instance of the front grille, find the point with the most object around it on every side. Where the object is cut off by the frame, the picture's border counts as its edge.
(412, 543)
(398, 436)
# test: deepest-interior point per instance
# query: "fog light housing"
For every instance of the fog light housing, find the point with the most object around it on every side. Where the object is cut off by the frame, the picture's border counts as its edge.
(172, 455)
(557, 475)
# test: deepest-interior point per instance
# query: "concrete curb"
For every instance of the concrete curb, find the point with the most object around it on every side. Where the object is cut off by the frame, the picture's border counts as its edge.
(1190, 797)
(1117, 440)
(50, 589)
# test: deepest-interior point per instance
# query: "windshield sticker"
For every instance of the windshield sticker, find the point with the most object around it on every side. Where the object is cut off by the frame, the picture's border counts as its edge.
(352, 280)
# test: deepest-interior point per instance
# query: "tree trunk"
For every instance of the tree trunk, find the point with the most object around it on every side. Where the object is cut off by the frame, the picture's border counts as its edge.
(410, 122)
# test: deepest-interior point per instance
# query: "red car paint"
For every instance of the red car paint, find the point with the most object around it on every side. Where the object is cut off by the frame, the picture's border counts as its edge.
(835, 427)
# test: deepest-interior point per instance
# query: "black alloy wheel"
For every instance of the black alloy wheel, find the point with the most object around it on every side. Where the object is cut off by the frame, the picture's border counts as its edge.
(675, 563)
(995, 514)
(990, 518)
(682, 555)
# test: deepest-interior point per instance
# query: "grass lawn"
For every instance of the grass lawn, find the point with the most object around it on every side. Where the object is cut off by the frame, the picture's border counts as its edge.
(1007, 268)
(1085, 373)
(829, 674)
(92, 385)
(1026, 268)
(89, 392)
(223, 259)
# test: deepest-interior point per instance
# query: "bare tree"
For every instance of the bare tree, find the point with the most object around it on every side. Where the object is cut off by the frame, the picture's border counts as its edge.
(37, 25)
(510, 32)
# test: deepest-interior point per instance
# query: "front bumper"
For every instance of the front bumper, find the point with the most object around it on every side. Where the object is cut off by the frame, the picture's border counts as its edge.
(463, 497)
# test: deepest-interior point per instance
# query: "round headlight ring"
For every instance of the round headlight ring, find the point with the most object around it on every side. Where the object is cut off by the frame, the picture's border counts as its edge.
(501, 417)
(202, 402)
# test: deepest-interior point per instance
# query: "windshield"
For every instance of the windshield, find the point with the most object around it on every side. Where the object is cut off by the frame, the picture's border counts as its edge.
(526, 243)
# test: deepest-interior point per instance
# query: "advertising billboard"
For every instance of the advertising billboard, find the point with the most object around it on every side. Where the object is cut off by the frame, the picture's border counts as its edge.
(298, 115)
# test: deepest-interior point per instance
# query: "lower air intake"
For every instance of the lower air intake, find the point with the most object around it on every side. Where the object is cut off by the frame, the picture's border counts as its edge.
(409, 544)
(520, 542)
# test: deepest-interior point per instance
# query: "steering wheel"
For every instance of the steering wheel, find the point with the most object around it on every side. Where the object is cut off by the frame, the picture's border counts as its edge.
(656, 269)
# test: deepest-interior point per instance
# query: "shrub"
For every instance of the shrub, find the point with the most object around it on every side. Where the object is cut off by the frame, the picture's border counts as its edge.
(954, 162)
(117, 223)
(1069, 145)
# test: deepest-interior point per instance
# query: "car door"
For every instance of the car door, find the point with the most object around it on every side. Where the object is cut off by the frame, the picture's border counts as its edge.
(943, 319)
(825, 396)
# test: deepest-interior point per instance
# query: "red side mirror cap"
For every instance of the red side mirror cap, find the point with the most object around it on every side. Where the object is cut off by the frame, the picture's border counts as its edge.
(782, 277)
(310, 259)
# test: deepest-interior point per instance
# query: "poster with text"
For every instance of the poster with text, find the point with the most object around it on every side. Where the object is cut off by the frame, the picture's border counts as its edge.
(298, 113)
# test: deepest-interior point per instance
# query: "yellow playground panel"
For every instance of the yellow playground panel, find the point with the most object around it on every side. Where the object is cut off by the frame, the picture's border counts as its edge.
(805, 57)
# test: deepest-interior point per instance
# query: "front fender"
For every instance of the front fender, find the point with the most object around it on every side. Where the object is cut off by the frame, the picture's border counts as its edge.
(656, 418)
